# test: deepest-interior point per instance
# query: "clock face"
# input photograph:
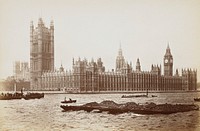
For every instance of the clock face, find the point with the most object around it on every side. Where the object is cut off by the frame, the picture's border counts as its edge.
(166, 60)
(171, 60)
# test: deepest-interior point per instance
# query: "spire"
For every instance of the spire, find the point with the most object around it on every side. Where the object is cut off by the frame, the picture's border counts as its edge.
(120, 50)
(120, 44)
(168, 45)
(73, 61)
(138, 61)
(120, 61)
(40, 21)
(168, 51)
(177, 74)
(61, 67)
(51, 23)
(31, 23)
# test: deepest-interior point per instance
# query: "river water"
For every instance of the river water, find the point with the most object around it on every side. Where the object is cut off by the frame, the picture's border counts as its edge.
(45, 114)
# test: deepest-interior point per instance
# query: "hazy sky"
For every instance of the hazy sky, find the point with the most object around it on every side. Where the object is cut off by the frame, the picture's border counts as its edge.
(94, 28)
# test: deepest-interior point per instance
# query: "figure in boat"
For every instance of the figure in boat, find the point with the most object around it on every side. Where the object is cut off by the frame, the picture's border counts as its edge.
(69, 101)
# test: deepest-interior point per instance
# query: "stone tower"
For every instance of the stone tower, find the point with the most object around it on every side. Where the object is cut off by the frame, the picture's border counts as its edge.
(120, 61)
(41, 52)
(168, 62)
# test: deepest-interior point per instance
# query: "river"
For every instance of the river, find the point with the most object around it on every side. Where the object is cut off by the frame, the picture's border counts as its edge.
(45, 114)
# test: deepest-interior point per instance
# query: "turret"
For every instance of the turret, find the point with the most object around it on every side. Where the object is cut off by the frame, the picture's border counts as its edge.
(40, 35)
(52, 43)
(40, 22)
(31, 26)
(31, 36)
(100, 66)
(73, 61)
(155, 69)
(51, 25)
(177, 74)
(61, 68)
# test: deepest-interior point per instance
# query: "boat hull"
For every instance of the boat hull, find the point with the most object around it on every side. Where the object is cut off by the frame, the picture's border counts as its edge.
(197, 99)
(34, 96)
(113, 108)
(9, 96)
(72, 101)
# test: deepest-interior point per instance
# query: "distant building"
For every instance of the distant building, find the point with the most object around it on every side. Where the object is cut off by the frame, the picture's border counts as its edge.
(21, 71)
(41, 52)
(91, 76)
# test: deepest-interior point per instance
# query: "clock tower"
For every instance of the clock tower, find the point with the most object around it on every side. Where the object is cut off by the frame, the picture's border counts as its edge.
(168, 63)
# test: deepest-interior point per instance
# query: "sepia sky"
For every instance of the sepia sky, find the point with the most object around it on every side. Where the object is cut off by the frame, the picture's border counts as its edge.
(95, 28)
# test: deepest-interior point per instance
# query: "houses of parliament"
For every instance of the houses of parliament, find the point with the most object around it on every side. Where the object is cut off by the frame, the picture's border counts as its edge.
(90, 76)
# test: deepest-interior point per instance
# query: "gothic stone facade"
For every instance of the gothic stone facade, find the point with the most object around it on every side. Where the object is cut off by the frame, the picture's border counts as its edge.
(41, 52)
(21, 71)
(92, 77)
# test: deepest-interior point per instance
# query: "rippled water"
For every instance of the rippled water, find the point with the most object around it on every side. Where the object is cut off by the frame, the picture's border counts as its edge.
(46, 114)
